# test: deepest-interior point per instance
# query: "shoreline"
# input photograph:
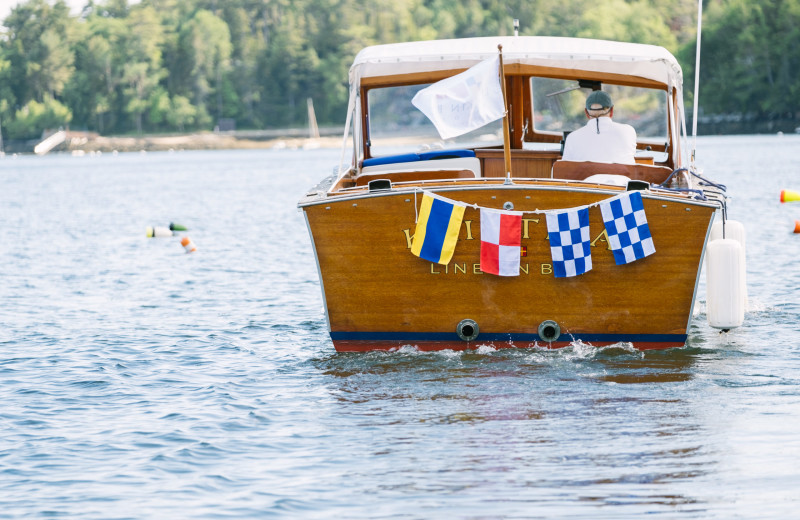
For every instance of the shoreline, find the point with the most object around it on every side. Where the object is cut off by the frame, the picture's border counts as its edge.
(196, 141)
(205, 141)
(79, 143)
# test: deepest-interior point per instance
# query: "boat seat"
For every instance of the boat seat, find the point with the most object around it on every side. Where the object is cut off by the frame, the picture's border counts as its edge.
(433, 155)
(578, 171)
(456, 168)
(609, 178)
(391, 159)
(416, 175)
(457, 163)
(437, 155)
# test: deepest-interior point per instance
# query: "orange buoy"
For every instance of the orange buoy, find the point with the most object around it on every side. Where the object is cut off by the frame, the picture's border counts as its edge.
(188, 245)
(789, 196)
(797, 226)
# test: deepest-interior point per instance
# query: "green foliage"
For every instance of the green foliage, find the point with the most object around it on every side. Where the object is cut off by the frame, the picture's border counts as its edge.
(35, 117)
(37, 44)
(159, 65)
(181, 113)
(750, 60)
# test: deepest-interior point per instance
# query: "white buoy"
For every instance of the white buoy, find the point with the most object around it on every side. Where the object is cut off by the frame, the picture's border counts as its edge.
(734, 230)
(158, 232)
(724, 298)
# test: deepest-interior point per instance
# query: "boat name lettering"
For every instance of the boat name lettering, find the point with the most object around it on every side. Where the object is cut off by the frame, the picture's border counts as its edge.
(602, 237)
(525, 223)
(465, 268)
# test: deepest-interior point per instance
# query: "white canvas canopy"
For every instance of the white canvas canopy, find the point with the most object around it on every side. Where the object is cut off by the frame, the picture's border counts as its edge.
(645, 61)
(649, 62)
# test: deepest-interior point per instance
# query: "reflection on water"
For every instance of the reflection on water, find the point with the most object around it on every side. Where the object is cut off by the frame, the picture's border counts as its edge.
(671, 366)
(580, 420)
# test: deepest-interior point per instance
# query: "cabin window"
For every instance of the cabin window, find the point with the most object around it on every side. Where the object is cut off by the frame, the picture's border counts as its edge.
(558, 106)
(396, 126)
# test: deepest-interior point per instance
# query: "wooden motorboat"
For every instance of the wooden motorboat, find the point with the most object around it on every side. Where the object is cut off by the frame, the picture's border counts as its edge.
(362, 219)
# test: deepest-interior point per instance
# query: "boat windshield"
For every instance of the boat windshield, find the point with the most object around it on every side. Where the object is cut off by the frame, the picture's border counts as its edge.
(558, 107)
(395, 125)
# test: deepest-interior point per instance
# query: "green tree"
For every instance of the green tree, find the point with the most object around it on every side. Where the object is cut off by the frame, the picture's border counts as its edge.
(7, 99)
(182, 113)
(248, 36)
(620, 20)
(101, 71)
(85, 91)
(155, 64)
(34, 118)
(143, 69)
(159, 107)
(750, 60)
(38, 46)
(205, 47)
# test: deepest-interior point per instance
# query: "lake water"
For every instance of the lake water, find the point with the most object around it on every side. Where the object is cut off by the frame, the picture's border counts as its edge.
(138, 381)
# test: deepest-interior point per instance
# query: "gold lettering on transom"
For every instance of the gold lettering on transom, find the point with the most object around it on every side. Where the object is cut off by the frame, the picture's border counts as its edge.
(409, 238)
(525, 223)
(602, 237)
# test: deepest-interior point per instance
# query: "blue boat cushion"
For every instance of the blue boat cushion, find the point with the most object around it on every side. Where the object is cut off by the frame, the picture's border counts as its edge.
(413, 157)
(391, 159)
(445, 154)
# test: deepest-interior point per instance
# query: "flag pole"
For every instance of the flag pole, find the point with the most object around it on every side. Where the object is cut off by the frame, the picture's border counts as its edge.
(696, 79)
(506, 136)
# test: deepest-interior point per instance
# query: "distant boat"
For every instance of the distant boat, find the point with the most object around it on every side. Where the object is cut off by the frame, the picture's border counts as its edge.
(313, 129)
(378, 294)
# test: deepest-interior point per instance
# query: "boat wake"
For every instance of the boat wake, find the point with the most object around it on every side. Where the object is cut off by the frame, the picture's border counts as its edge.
(575, 350)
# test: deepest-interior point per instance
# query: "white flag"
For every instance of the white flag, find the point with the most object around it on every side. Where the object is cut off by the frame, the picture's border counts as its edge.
(464, 102)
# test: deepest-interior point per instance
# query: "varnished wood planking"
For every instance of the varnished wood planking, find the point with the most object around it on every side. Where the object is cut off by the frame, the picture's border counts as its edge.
(524, 163)
(373, 283)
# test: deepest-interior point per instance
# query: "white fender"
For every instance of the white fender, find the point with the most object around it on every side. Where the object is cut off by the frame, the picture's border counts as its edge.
(724, 298)
(735, 230)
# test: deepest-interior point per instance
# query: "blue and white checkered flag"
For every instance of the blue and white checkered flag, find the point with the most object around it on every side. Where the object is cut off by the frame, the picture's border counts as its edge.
(626, 225)
(568, 232)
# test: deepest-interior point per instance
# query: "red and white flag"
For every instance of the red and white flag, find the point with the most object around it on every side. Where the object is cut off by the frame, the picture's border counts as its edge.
(501, 233)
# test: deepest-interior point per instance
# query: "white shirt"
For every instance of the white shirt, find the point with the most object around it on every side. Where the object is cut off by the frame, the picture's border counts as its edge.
(615, 142)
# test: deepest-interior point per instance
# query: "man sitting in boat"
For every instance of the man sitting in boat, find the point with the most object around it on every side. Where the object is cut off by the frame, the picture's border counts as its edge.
(601, 139)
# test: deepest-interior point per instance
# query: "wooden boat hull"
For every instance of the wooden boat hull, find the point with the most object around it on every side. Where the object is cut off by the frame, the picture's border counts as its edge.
(378, 295)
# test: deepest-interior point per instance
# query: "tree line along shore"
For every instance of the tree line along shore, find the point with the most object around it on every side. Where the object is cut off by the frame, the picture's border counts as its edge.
(185, 66)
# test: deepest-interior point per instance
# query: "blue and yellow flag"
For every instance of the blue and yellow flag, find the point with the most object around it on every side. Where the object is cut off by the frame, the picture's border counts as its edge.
(437, 228)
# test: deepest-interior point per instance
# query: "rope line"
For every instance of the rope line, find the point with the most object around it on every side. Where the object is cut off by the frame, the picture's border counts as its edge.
(705, 182)
(534, 211)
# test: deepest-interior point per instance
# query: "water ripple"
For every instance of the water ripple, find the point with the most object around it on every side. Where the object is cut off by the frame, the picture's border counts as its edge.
(142, 382)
